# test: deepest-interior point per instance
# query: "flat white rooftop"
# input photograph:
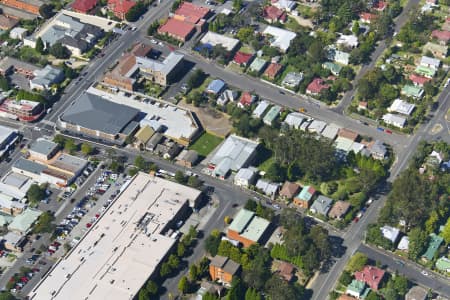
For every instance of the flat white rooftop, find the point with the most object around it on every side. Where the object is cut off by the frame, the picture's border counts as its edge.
(118, 254)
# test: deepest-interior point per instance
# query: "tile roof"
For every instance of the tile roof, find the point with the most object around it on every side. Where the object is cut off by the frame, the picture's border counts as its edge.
(7, 22)
(442, 35)
(273, 69)
(371, 275)
(121, 6)
(192, 13)
(242, 58)
(178, 28)
(247, 99)
(367, 17)
(418, 79)
(274, 14)
(84, 5)
(339, 209)
(317, 85)
(289, 189)
(348, 134)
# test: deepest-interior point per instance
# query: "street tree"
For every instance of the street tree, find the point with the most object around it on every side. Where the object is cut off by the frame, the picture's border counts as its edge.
(86, 149)
(35, 193)
(183, 285)
(40, 47)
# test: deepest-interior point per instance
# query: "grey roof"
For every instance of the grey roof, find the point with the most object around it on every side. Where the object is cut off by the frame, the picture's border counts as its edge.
(164, 67)
(216, 86)
(292, 79)
(96, 113)
(269, 188)
(425, 60)
(8, 62)
(47, 76)
(295, 119)
(378, 148)
(260, 109)
(29, 166)
(322, 205)
(231, 267)
(245, 174)
(234, 154)
(43, 146)
(154, 140)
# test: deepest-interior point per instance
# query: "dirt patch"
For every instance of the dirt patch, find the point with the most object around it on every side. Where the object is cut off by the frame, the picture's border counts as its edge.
(212, 120)
(302, 21)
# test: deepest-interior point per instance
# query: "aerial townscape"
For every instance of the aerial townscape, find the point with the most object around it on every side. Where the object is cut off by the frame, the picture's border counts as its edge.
(224, 149)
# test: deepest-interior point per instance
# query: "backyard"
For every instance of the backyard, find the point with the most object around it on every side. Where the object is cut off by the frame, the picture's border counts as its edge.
(206, 144)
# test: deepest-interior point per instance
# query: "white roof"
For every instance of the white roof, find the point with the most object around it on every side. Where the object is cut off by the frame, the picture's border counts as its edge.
(295, 119)
(404, 243)
(126, 245)
(348, 40)
(394, 120)
(401, 107)
(6, 201)
(15, 185)
(269, 188)
(5, 133)
(214, 39)
(391, 233)
(260, 109)
(429, 61)
(317, 126)
(281, 38)
(330, 131)
(245, 174)
(357, 147)
(284, 4)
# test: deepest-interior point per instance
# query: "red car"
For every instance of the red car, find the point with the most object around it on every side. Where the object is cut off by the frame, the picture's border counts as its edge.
(97, 216)
(56, 244)
(50, 251)
(388, 131)
(356, 219)
(24, 279)
(35, 270)
(88, 225)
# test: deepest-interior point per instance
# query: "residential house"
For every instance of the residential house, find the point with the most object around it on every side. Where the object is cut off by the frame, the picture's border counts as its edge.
(294, 119)
(120, 7)
(257, 65)
(330, 131)
(292, 80)
(177, 29)
(430, 62)
(84, 6)
(214, 39)
(349, 41)
(154, 141)
(286, 271)
(286, 5)
(268, 188)
(443, 36)
(367, 17)
(317, 126)
(260, 109)
(437, 50)
(425, 71)
(247, 228)
(434, 243)
(246, 100)
(245, 177)
(338, 56)
(417, 293)
(289, 190)
(403, 245)
(216, 86)
(378, 150)
(279, 38)
(401, 107)
(372, 276)
(273, 70)
(187, 158)
(321, 206)
(356, 289)
(348, 134)
(8, 22)
(394, 120)
(390, 233)
(303, 199)
(226, 96)
(316, 86)
(271, 115)
(362, 105)
(273, 14)
(18, 33)
(193, 14)
(418, 80)
(242, 59)
(46, 77)
(339, 209)
(412, 91)
(223, 269)
(335, 69)
(443, 264)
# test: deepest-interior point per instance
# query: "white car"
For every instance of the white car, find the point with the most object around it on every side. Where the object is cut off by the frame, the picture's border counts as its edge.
(425, 273)
(153, 41)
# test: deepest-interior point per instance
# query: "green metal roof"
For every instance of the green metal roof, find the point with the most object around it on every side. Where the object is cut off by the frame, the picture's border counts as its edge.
(258, 64)
(25, 220)
(443, 264)
(411, 90)
(334, 68)
(272, 114)
(306, 193)
(428, 72)
(241, 220)
(356, 286)
(255, 229)
(433, 245)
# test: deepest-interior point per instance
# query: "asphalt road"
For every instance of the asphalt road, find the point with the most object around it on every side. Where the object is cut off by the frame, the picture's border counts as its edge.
(411, 270)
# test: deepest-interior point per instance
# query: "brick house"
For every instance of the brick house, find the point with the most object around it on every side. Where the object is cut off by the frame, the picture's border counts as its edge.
(303, 199)
(372, 276)
(223, 269)
(84, 6)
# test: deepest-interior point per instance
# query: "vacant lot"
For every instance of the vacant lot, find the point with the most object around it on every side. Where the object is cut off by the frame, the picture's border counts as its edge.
(206, 143)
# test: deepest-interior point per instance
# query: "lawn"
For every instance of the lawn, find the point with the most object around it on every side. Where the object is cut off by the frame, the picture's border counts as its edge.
(206, 144)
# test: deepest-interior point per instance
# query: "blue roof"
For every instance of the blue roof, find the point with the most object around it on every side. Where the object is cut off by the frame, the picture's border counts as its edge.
(216, 86)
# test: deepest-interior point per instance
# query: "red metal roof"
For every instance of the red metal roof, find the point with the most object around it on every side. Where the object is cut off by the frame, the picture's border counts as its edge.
(273, 13)
(177, 28)
(442, 35)
(316, 86)
(121, 6)
(372, 276)
(417, 79)
(273, 69)
(367, 16)
(246, 99)
(84, 5)
(242, 58)
(192, 12)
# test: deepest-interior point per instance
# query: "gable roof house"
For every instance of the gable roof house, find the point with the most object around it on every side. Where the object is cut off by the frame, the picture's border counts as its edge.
(258, 65)
(242, 59)
(303, 199)
(430, 62)
(394, 120)
(273, 14)
(443, 264)
(418, 80)
(260, 109)
(294, 119)
(287, 5)
(268, 188)
(227, 95)
(280, 38)
(289, 190)
(339, 209)
(412, 91)
(246, 100)
(322, 205)
(271, 115)
(46, 77)
(338, 56)
(443, 36)
(223, 269)
(350, 41)
(245, 177)
(434, 243)
(273, 70)
(286, 271)
(390, 233)
(84, 6)
(215, 87)
(348, 134)
(367, 17)
(316, 86)
(356, 289)
(120, 7)
(436, 49)
(247, 228)
(425, 71)
(335, 69)
(378, 150)
(177, 29)
(371, 275)
(292, 80)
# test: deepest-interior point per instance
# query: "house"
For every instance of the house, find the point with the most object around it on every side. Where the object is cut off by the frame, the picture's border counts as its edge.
(245, 177)
(215, 87)
(356, 289)
(214, 39)
(286, 5)
(8, 22)
(338, 56)
(348, 134)
(179, 30)
(443, 264)
(434, 243)
(154, 141)
(28, 6)
(350, 41)
(43, 149)
(316, 86)
(120, 7)
(14, 242)
(412, 91)
(9, 65)
(430, 62)
(401, 107)
(84, 6)
(235, 153)
(289, 190)
(273, 14)
(417, 293)
(23, 223)
(292, 80)
(260, 109)
(246, 100)
(339, 209)
(378, 150)
(437, 50)
(247, 228)
(403, 245)
(371, 275)
(223, 269)
(425, 71)
(321, 206)
(279, 38)
(303, 199)
(294, 120)
(257, 65)
(335, 69)
(271, 115)
(46, 77)
(273, 70)
(317, 126)
(193, 14)
(380, 5)
(142, 136)
(367, 17)
(390, 233)
(242, 59)
(443, 36)
(394, 120)
(268, 188)
(187, 158)
(18, 33)
(9, 206)
(286, 271)
(362, 105)
(227, 95)
(434, 159)
(418, 80)
(330, 131)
